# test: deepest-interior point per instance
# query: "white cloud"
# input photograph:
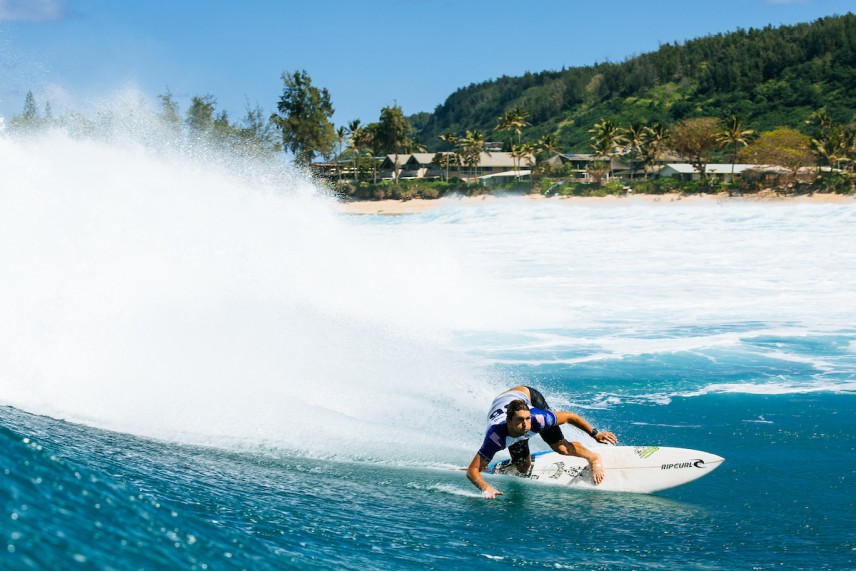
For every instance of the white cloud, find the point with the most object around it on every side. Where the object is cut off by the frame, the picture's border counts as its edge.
(31, 10)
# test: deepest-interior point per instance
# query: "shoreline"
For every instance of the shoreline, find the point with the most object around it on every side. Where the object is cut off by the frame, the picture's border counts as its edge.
(420, 205)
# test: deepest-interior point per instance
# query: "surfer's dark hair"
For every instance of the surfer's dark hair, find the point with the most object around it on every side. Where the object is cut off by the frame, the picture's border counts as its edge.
(514, 406)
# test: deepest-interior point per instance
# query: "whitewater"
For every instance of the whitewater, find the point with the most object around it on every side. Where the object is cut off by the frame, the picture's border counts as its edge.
(206, 363)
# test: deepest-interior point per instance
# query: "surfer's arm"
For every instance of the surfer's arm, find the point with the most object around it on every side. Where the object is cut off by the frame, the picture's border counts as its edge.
(477, 466)
(565, 417)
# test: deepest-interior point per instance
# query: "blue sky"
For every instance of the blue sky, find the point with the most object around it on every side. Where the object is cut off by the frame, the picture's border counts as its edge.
(368, 54)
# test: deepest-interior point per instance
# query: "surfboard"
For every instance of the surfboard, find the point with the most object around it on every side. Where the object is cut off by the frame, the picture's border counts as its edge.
(634, 469)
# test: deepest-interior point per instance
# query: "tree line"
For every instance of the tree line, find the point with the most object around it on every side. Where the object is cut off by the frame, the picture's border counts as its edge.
(770, 77)
(201, 125)
(302, 125)
(701, 139)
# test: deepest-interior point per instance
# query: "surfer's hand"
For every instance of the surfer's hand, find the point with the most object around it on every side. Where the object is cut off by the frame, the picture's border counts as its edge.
(606, 438)
(596, 471)
(490, 493)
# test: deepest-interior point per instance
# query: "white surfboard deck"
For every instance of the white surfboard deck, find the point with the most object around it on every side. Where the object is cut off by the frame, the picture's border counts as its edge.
(634, 469)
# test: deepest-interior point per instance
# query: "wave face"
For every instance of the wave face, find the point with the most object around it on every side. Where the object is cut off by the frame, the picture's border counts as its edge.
(206, 364)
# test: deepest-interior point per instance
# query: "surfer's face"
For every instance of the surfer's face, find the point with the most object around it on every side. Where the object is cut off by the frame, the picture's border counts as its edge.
(520, 423)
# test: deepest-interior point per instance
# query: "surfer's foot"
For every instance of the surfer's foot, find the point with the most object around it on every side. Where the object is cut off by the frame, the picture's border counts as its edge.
(596, 471)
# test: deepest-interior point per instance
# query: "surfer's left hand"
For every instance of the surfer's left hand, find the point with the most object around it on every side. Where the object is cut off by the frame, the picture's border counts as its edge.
(606, 438)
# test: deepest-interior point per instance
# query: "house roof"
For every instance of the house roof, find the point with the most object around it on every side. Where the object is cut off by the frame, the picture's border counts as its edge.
(422, 158)
(500, 159)
(493, 159)
(567, 157)
(402, 159)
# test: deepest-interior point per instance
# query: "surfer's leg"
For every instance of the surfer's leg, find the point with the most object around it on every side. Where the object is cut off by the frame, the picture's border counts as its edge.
(553, 434)
(576, 449)
(518, 389)
(536, 398)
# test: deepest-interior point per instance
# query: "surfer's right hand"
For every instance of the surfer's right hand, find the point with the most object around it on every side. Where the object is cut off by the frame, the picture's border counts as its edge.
(490, 493)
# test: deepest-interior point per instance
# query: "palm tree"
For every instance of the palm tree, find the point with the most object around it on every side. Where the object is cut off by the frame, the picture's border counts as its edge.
(607, 138)
(850, 145)
(653, 143)
(597, 170)
(834, 143)
(822, 117)
(513, 121)
(372, 142)
(518, 122)
(827, 147)
(355, 143)
(735, 136)
(413, 145)
(548, 144)
(450, 139)
(637, 135)
(471, 148)
(505, 122)
(444, 160)
(341, 134)
(518, 153)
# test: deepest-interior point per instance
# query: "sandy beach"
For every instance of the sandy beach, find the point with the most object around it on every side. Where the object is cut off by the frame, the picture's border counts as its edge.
(415, 206)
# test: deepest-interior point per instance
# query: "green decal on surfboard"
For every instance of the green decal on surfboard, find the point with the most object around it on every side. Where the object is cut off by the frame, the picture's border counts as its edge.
(647, 452)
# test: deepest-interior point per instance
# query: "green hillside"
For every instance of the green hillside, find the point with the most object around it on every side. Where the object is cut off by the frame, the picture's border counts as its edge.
(771, 77)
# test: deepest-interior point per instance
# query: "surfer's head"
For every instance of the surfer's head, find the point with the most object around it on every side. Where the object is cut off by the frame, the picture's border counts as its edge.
(518, 418)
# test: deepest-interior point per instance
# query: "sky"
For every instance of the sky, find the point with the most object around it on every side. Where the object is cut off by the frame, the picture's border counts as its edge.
(77, 54)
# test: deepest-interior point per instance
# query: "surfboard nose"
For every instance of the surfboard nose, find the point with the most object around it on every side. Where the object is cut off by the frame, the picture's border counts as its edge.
(713, 461)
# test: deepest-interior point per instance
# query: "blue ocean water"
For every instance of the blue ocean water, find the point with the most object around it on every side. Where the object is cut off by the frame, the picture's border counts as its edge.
(201, 371)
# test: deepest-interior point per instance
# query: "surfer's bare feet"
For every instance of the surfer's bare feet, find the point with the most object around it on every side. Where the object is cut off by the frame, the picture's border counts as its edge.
(596, 470)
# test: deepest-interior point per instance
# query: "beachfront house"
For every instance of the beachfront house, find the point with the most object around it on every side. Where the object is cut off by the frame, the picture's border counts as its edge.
(577, 165)
(714, 171)
(409, 166)
(422, 166)
(496, 163)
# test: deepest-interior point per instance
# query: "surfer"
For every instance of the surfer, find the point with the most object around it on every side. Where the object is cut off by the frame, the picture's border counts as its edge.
(514, 416)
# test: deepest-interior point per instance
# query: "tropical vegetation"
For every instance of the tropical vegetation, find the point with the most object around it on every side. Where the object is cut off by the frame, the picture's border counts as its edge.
(773, 96)
(770, 77)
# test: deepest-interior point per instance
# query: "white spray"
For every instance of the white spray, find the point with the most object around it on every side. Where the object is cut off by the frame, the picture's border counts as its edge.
(152, 293)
